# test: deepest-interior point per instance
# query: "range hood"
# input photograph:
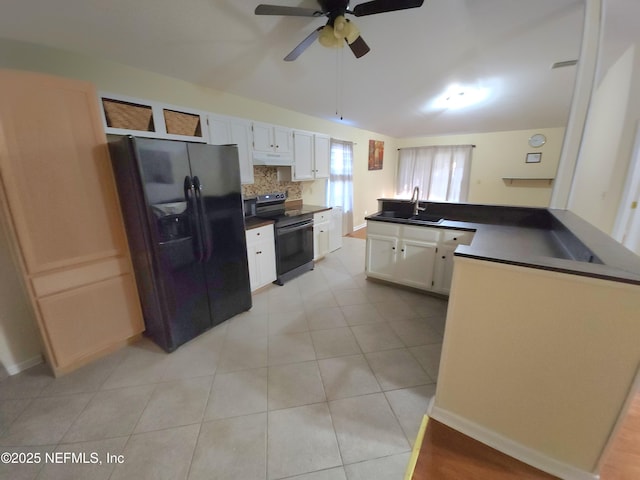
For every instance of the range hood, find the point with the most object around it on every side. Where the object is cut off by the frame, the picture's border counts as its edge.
(273, 159)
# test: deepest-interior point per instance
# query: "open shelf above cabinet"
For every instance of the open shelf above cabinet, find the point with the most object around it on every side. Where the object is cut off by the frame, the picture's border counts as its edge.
(522, 180)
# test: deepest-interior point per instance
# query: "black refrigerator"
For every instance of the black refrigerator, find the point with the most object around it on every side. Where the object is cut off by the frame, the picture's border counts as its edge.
(182, 208)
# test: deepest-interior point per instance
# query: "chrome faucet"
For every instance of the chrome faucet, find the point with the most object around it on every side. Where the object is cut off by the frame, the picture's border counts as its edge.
(415, 199)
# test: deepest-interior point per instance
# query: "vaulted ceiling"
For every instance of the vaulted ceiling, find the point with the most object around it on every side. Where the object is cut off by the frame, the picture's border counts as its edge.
(504, 46)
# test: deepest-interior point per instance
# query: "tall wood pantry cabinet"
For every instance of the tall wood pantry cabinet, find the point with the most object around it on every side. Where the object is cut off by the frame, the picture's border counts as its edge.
(59, 195)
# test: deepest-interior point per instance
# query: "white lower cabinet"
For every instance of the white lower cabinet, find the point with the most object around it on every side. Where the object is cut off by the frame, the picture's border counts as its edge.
(443, 269)
(419, 257)
(321, 233)
(381, 256)
(415, 263)
(261, 255)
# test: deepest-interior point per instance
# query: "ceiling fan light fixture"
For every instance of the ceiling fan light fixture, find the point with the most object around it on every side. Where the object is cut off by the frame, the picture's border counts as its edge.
(340, 27)
(328, 39)
(352, 32)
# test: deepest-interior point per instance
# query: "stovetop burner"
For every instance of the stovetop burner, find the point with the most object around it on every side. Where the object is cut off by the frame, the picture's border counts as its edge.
(271, 206)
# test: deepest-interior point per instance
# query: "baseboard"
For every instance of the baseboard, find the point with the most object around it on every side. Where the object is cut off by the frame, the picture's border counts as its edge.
(19, 367)
(359, 227)
(505, 445)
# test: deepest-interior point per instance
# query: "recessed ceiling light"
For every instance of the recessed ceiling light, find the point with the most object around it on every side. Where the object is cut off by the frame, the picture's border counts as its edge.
(457, 96)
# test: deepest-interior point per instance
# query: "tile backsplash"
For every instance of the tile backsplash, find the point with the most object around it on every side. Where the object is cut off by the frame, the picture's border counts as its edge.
(266, 181)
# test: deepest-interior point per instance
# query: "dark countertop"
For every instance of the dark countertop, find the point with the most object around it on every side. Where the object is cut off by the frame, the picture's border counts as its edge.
(255, 222)
(313, 208)
(548, 239)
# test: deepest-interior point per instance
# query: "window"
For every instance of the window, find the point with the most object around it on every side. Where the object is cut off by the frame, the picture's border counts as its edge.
(340, 188)
(441, 172)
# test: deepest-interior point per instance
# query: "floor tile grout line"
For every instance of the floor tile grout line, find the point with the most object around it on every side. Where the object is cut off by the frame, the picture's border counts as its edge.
(195, 446)
(357, 277)
(335, 433)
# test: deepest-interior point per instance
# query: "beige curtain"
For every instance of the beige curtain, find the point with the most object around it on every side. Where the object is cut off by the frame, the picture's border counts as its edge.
(340, 188)
(441, 172)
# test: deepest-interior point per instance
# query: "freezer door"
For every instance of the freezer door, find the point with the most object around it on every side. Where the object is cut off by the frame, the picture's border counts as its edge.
(216, 174)
(176, 239)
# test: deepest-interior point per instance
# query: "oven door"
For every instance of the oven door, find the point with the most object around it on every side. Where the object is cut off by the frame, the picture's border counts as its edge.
(294, 246)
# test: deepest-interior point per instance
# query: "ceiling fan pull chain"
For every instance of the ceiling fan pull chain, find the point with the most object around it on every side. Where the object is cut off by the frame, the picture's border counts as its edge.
(339, 81)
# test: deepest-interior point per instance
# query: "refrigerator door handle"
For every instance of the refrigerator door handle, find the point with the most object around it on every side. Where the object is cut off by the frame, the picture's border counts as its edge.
(204, 223)
(190, 197)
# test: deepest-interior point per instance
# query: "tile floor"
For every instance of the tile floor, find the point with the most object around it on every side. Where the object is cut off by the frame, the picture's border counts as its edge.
(326, 378)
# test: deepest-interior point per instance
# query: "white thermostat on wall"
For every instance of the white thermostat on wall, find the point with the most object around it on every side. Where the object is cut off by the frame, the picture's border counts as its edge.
(537, 140)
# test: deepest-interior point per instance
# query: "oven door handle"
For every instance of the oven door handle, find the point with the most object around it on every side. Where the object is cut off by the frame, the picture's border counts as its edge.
(293, 228)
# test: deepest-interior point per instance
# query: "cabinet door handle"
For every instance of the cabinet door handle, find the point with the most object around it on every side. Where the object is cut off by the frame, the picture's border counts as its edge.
(402, 250)
(444, 257)
(258, 233)
(393, 248)
(259, 252)
(455, 239)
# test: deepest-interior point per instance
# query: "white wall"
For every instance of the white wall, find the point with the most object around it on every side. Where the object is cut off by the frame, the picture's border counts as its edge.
(502, 154)
(606, 145)
(20, 345)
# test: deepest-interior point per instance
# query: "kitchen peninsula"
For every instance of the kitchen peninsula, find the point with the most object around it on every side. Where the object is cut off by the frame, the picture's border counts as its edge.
(540, 350)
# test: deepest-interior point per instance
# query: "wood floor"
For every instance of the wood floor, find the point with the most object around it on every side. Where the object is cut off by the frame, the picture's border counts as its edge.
(446, 454)
(362, 233)
(623, 460)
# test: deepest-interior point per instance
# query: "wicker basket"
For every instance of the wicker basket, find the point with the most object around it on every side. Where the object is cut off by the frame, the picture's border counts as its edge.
(130, 116)
(179, 123)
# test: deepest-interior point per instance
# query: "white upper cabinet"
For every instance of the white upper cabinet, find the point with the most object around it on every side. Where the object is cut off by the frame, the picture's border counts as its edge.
(219, 131)
(271, 138)
(308, 153)
(233, 131)
(311, 155)
(322, 155)
(302, 155)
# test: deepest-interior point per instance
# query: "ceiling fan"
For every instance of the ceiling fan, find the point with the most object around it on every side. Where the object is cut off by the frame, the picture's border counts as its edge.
(338, 29)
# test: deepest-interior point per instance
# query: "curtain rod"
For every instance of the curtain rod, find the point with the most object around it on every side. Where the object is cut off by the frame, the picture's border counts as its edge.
(423, 146)
(343, 141)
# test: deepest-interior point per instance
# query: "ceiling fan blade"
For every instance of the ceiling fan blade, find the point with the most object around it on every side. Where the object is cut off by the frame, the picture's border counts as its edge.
(381, 6)
(287, 11)
(359, 47)
(303, 45)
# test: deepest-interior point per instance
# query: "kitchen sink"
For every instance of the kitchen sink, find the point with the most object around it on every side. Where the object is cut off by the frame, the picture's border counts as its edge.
(421, 217)
(395, 214)
(426, 217)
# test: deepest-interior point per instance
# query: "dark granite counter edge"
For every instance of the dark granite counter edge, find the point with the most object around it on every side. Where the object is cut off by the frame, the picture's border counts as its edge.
(314, 208)
(619, 264)
(254, 222)
(583, 269)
